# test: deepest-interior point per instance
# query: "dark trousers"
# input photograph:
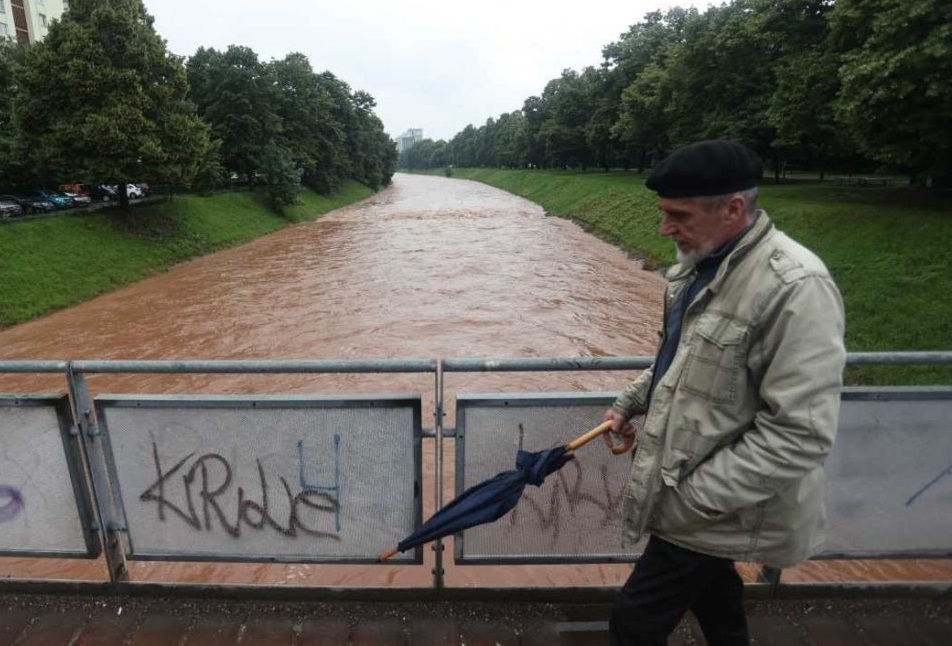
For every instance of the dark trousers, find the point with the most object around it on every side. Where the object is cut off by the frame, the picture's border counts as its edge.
(667, 582)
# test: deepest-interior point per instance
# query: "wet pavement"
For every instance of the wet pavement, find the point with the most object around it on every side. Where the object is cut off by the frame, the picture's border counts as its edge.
(43, 620)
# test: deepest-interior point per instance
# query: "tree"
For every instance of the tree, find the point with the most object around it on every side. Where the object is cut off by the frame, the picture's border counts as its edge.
(486, 143)
(261, 110)
(536, 112)
(896, 98)
(721, 80)
(801, 108)
(309, 131)
(637, 69)
(337, 162)
(100, 99)
(424, 154)
(373, 153)
(463, 147)
(386, 153)
(210, 173)
(641, 122)
(10, 59)
(281, 180)
(569, 104)
(236, 94)
(602, 99)
(645, 43)
(511, 139)
(807, 81)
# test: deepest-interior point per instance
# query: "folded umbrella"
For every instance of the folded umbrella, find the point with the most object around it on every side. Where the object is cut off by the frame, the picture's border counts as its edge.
(492, 499)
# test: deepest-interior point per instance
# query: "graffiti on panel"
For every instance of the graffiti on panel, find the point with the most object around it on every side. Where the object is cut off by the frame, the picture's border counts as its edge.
(11, 503)
(946, 472)
(310, 486)
(570, 495)
(194, 489)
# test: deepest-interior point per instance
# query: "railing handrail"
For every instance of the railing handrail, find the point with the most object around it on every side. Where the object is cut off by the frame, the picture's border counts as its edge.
(219, 366)
(928, 357)
(449, 364)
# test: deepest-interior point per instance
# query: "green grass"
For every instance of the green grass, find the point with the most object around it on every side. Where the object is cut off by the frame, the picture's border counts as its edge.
(888, 249)
(51, 263)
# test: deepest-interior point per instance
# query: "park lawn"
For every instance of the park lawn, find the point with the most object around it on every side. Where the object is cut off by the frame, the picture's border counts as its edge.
(51, 263)
(887, 249)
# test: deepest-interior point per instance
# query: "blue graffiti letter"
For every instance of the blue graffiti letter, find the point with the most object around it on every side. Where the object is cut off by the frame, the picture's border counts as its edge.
(14, 504)
(335, 488)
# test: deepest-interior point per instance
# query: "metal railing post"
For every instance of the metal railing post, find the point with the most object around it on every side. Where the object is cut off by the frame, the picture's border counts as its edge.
(438, 414)
(771, 576)
(112, 525)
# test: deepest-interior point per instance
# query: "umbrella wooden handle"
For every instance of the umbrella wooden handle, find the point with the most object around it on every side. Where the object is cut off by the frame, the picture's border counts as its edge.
(585, 438)
(386, 555)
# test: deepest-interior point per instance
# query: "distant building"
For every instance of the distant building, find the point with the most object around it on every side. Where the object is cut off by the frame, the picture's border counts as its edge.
(27, 21)
(409, 139)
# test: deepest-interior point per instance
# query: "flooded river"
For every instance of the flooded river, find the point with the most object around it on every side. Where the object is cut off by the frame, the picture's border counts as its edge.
(430, 267)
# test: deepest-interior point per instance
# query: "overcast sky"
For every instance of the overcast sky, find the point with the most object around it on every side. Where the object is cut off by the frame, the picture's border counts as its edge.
(432, 64)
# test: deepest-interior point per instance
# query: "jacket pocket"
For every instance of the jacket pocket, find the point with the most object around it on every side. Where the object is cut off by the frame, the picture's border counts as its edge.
(712, 369)
(674, 515)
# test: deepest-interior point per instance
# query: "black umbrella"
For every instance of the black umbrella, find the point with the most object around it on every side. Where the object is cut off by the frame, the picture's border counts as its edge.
(491, 499)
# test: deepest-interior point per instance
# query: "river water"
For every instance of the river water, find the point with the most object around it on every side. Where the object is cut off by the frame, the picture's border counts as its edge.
(430, 267)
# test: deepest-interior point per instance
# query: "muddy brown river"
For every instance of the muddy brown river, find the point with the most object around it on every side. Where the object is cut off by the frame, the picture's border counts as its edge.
(430, 267)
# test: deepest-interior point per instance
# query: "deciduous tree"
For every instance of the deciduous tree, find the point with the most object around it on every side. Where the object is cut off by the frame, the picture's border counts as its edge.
(721, 80)
(807, 81)
(10, 55)
(896, 96)
(101, 99)
(237, 95)
(569, 104)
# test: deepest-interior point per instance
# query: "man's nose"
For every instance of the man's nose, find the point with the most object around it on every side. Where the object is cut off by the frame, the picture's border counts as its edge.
(666, 228)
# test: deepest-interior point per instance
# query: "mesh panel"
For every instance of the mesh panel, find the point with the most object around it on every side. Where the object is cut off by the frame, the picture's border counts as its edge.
(38, 510)
(575, 514)
(887, 475)
(322, 483)
(890, 476)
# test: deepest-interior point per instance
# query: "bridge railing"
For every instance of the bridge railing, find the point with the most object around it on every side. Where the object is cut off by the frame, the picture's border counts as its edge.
(338, 479)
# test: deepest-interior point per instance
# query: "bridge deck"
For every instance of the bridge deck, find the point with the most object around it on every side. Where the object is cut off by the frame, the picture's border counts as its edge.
(49, 620)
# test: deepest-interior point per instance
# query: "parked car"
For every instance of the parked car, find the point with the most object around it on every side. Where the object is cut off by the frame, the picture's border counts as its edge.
(9, 208)
(78, 199)
(103, 193)
(30, 204)
(59, 200)
(74, 187)
(134, 192)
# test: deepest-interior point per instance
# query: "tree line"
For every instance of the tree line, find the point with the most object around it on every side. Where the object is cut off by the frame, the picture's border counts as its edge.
(851, 85)
(101, 100)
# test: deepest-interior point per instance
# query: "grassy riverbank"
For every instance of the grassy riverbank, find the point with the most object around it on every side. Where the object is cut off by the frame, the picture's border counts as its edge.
(886, 248)
(51, 263)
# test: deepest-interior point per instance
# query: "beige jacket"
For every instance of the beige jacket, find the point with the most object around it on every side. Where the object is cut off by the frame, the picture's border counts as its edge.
(729, 461)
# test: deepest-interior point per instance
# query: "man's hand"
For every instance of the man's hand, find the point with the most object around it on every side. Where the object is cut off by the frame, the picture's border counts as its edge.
(621, 430)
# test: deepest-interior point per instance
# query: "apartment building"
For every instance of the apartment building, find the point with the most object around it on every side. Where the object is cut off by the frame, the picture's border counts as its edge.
(409, 139)
(26, 21)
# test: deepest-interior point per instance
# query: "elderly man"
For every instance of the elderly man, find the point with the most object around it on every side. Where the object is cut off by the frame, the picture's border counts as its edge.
(740, 404)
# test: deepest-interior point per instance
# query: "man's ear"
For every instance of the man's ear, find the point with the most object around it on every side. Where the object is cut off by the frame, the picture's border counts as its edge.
(735, 208)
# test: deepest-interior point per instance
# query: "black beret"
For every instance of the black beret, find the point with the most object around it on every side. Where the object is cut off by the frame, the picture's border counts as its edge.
(714, 167)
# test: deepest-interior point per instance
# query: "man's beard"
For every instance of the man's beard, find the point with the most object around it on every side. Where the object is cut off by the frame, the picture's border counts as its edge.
(690, 258)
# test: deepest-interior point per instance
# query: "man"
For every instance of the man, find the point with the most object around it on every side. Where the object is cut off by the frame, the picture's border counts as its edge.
(740, 404)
